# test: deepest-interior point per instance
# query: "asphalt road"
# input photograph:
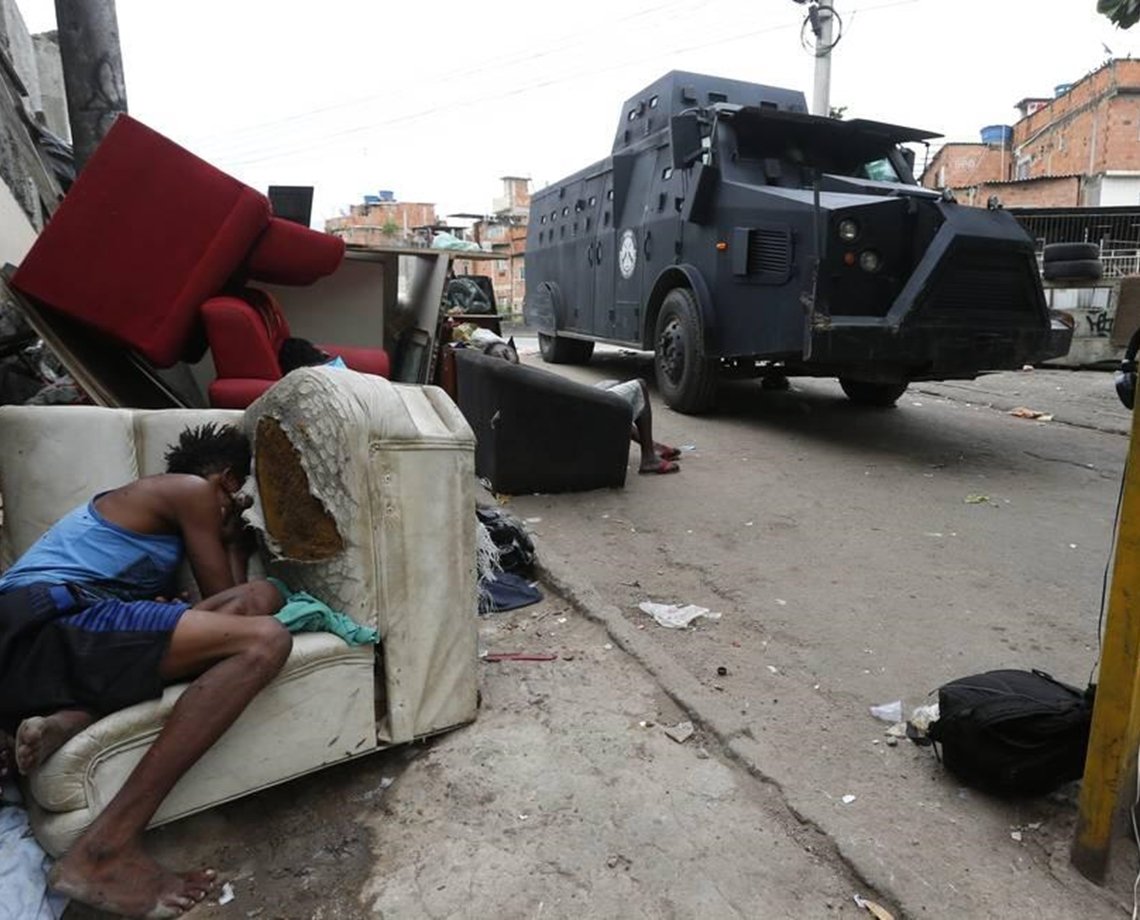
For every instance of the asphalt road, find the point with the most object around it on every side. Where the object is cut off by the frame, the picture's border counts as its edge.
(864, 556)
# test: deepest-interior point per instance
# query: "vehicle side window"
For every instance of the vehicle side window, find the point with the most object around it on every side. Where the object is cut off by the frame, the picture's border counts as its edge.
(879, 171)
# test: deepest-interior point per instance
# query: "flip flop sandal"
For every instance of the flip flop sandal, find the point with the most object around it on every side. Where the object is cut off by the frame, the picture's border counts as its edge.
(665, 466)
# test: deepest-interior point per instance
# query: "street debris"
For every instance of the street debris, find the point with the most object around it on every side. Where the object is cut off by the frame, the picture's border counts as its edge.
(227, 894)
(619, 860)
(888, 712)
(672, 616)
(1035, 415)
(519, 656)
(681, 732)
(922, 716)
(722, 671)
(1016, 835)
(875, 910)
(687, 447)
(976, 499)
(847, 799)
(773, 669)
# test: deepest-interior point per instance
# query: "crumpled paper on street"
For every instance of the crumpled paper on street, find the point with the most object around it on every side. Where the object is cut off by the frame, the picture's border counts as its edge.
(1034, 414)
(672, 616)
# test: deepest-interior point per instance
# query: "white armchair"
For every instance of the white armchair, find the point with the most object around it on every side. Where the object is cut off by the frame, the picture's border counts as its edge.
(365, 494)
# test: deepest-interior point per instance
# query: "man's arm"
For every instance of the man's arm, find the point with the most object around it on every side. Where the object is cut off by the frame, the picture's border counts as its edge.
(203, 517)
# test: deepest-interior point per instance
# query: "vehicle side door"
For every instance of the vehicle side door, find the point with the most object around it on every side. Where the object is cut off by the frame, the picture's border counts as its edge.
(631, 194)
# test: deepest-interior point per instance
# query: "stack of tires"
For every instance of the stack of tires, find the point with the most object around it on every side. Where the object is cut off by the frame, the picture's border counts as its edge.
(1072, 262)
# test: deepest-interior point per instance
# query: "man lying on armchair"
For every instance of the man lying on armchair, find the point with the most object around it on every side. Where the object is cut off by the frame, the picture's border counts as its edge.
(87, 628)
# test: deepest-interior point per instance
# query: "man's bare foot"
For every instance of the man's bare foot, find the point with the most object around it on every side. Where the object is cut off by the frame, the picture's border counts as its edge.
(128, 882)
(39, 737)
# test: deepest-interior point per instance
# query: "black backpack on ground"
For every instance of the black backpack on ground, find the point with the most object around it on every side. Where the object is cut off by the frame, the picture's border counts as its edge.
(1013, 732)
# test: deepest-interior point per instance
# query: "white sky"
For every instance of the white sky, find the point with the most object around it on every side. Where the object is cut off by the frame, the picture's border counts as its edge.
(437, 99)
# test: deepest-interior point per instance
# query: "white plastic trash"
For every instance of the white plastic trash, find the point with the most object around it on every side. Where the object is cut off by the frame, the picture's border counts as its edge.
(672, 616)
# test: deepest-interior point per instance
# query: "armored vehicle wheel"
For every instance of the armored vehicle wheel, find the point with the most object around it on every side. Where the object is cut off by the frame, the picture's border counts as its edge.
(560, 350)
(685, 375)
(863, 393)
(1069, 252)
(1075, 270)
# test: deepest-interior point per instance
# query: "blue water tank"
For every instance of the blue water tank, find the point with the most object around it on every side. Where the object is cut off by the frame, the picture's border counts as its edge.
(371, 199)
(997, 135)
(387, 195)
(1061, 88)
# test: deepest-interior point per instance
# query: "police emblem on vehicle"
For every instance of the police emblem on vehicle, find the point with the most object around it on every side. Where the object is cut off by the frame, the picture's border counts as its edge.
(627, 254)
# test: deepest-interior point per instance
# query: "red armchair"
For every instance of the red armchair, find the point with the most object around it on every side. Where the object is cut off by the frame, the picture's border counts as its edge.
(148, 234)
(245, 334)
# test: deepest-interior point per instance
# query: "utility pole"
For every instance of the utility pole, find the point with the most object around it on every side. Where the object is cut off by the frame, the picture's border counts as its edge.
(821, 92)
(92, 71)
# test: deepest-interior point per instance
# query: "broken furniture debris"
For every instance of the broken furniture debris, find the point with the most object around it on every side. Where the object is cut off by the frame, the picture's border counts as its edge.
(539, 432)
(359, 484)
(112, 260)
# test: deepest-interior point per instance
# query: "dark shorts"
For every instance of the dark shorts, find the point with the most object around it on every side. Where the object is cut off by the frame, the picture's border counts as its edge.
(58, 651)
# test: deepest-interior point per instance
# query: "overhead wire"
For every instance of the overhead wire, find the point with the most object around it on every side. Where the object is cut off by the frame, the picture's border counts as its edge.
(568, 43)
(262, 153)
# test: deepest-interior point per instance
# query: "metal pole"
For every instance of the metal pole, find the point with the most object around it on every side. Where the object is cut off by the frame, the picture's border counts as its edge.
(1110, 767)
(92, 70)
(821, 94)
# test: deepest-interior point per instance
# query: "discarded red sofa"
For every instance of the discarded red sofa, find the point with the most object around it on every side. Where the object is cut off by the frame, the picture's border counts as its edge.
(149, 234)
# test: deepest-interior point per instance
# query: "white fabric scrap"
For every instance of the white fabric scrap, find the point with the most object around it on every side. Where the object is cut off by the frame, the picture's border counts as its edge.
(24, 867)
(672, 616)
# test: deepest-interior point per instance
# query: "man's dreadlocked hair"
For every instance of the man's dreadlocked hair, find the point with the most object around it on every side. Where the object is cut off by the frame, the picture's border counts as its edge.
(210, 448)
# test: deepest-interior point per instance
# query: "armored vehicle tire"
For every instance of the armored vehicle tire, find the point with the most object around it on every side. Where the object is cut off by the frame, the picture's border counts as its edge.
(556, 349)
(1075, 270)
(1070, 252)
(862, 393)
(686, 376)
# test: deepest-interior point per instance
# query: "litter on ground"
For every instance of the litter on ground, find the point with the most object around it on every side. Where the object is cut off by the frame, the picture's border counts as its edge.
(672, 616)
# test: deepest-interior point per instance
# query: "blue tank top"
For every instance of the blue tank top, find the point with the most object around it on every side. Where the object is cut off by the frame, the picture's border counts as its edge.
(104, 559)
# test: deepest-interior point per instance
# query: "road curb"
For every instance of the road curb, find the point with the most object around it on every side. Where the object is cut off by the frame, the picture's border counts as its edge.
(702, 707)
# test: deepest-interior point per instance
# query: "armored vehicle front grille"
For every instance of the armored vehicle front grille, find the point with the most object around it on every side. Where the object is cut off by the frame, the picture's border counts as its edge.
(769, 251)
(981, 284)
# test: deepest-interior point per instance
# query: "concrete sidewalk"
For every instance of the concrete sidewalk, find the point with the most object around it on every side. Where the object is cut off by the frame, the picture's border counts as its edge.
(565, 799)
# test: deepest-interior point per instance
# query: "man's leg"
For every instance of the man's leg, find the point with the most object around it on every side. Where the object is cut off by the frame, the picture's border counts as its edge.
(39, 737)
(651, 461)
(663, 451)
(235, 656)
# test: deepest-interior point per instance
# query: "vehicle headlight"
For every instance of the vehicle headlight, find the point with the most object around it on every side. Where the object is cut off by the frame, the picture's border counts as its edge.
(869, 260)
(848, 230)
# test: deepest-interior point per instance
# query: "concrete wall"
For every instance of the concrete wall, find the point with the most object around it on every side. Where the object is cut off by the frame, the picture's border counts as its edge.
(17, 43)
(961, 165)
(16, 231)
(53, 97)
(1117, 191)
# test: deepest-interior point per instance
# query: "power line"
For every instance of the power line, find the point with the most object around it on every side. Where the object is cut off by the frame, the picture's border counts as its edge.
(569, 43)
(266, 154)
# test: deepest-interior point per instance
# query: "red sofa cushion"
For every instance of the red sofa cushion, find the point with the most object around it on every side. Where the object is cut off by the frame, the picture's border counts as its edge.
(366, 360)
(245, 334)
(288, 253)
(239, 339)
(147, 233)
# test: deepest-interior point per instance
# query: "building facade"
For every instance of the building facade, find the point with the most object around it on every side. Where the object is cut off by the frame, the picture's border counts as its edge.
(382, 221)
(1079, 148)
(504, 232)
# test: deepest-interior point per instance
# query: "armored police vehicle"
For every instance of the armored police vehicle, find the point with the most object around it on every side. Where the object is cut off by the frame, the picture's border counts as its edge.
(734, 234)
